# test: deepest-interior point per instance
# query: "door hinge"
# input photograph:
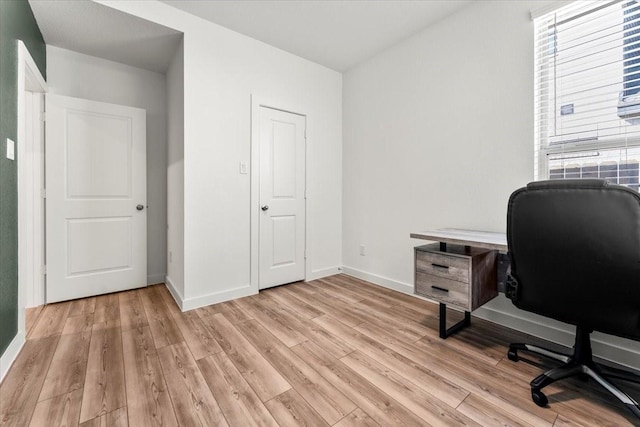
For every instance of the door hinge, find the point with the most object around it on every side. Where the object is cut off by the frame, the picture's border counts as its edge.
(305, 254)
(44, 270)
(44, 193)
(43, 116)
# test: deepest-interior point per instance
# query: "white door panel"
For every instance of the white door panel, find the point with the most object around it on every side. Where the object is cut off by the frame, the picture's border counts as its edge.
(282, 197)
(96, 179)
(99, 151)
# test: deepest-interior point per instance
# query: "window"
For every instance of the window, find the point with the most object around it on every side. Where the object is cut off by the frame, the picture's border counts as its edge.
(587, 92)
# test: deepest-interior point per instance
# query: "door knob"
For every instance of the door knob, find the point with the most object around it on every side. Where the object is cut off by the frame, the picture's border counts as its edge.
(265, 208)
(139, 207)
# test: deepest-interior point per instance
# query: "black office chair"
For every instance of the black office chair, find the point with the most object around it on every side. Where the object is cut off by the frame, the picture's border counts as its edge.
(575, 257)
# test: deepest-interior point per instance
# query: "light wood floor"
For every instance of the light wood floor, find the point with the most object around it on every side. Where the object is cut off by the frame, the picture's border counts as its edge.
(330, 352)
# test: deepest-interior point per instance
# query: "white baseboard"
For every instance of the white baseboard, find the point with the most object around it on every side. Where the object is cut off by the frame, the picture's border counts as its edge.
(216, 297)
(154, 279)
(617, 350)
(324, 272)
(10, 354)
(175, 293)
(405, 288)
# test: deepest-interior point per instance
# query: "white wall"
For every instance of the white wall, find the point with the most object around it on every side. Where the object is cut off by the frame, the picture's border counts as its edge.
(438, 131)
(222, 69)
(175, 174)
(74, 74)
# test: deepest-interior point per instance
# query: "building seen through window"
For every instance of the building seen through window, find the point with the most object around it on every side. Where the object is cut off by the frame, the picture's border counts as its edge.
(588, 92)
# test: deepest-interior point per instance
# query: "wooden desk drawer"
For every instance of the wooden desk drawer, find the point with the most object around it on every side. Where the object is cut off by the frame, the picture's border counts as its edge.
(447, 266)
(442, 290)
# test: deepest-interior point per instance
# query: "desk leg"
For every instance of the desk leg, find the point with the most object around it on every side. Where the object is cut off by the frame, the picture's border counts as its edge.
(444, 332)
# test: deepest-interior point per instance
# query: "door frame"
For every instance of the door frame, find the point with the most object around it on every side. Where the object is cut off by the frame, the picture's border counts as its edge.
(256, 103)
(29, 79)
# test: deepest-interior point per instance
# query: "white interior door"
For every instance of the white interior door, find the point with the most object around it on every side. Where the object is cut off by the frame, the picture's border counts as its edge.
(96, 222)
(282, 198)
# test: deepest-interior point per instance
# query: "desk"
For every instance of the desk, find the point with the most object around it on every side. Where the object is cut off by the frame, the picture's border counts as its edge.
(478, 239)
(466, 269)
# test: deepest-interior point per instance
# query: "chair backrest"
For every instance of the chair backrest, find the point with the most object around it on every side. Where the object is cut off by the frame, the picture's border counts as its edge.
(575, 253)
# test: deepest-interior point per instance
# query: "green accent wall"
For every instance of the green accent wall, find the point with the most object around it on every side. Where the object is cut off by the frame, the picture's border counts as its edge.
(16, 23)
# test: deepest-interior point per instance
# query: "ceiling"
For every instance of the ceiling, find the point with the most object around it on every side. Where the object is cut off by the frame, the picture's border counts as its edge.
(93, 29)
(338, 34)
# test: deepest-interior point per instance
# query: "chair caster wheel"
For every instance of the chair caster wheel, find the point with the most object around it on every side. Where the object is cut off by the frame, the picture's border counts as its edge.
(512, 355)
(539, 398)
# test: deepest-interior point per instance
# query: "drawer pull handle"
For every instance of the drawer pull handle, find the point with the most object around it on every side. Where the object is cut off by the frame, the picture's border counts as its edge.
(446, 267)
(440, 289)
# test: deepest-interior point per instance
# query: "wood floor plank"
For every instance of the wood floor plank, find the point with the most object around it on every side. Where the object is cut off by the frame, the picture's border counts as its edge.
(79, 323)
(22, 384)
(565, 422)
(472, 375)
(386, 318)
(399, 297)
(426, 318)
(290, 409)
(107, 312)
(336, 350)
(447, 391)
(68, 367)
(234, 312)
(196, 335)
(104, 388)
(420, 402)
(302, 287)
(327, 400)
(239, 403)
(31, 318)
(367, 293)
(271, 320)
(62, 410)
(334, 345)
(163, 328)
(382, 408)
(325, 287)
(153, 303)
(209, 310)
(487, 414)
(117, 418)
(171, 303)
(192, 400)
(51, 321)
(148, 401)
(82, 306)
(132, 315)
(335, 309)
(484, 379)
(283, 297)
(357, 418)
(262, 376)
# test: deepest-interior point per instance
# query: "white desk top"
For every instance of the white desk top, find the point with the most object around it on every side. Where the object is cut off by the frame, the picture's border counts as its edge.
(479, 239)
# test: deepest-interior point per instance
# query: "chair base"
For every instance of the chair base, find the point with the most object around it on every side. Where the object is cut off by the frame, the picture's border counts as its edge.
(581, 364)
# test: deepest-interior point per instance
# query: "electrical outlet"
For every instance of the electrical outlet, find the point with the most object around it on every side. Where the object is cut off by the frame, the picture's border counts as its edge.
(362, 251)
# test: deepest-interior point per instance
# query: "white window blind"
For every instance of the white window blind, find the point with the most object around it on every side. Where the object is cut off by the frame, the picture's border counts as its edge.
(587, 92)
